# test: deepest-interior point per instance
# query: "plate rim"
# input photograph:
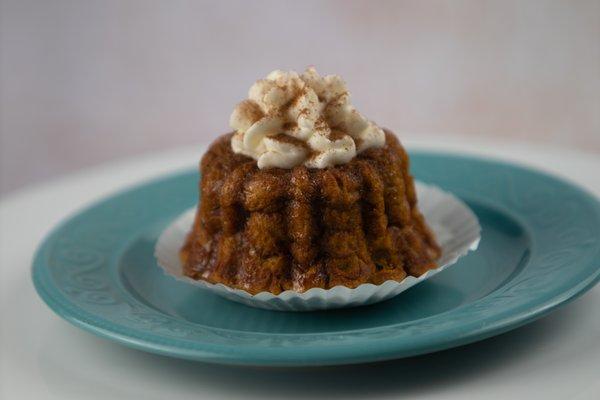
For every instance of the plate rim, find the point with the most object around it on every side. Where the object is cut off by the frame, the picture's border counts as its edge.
(280, 356)
(281, 359)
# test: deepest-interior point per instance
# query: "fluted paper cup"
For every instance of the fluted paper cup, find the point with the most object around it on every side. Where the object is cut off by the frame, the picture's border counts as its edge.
(455, 226)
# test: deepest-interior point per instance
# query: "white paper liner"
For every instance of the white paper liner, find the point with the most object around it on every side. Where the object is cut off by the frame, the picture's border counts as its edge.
(455, 226)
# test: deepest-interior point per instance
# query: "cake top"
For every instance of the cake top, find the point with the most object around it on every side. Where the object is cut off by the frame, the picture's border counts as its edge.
(291, 119)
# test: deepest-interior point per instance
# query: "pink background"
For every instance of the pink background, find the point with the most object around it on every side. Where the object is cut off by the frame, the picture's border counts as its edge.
(82, 82)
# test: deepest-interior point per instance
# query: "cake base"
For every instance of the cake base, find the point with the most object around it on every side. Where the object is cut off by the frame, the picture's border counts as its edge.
(295, 229)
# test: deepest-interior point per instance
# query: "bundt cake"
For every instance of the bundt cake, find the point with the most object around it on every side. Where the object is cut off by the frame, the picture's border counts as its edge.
(305, 193)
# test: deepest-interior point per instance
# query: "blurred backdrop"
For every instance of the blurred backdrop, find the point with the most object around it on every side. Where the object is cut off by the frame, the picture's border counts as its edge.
(83, 82)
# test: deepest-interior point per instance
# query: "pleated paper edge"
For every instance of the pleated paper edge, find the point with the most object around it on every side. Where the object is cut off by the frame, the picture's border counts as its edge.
(456, 228)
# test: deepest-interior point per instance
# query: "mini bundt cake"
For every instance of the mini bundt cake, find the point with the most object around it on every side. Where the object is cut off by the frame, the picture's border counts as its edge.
(306, 193)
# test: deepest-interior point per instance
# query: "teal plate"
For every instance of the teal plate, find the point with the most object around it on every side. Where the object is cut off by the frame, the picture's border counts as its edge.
(540, 248)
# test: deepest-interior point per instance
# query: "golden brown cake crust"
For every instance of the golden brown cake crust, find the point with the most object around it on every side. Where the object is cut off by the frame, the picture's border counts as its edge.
(279, 229)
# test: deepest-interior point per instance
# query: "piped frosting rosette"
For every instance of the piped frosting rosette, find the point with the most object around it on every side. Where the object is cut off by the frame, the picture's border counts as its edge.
(291, 119)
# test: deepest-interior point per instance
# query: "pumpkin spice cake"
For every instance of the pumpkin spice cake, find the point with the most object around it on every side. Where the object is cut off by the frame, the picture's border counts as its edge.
(305, 193)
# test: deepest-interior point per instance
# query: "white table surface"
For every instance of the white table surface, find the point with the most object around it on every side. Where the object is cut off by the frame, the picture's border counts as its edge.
(42, 356)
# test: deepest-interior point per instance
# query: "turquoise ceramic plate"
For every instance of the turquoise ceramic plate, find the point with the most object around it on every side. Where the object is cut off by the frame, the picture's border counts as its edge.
(540, 248)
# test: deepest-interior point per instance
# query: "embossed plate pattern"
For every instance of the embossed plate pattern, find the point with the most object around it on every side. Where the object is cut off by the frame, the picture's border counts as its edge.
(540, 248)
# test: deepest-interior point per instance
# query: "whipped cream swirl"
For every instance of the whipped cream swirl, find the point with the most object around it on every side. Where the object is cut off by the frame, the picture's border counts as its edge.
(291, 119)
